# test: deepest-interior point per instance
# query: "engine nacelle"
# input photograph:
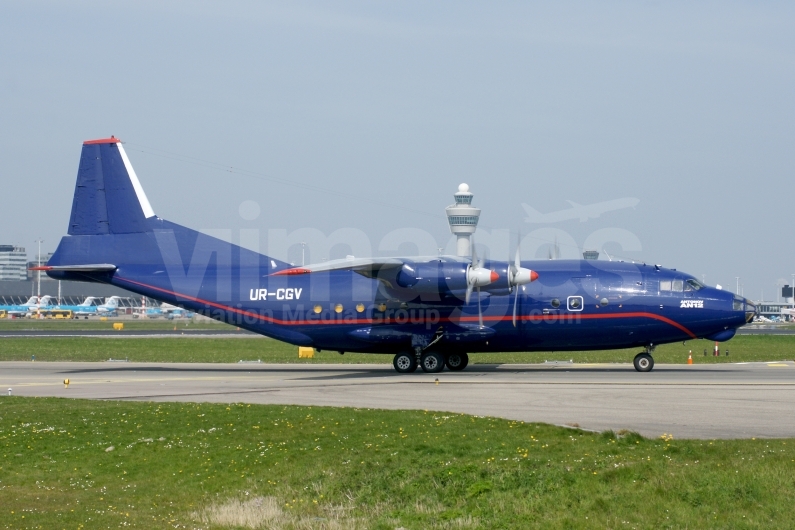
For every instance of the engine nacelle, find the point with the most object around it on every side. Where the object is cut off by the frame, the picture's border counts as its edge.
(433, 277)
(436, 281)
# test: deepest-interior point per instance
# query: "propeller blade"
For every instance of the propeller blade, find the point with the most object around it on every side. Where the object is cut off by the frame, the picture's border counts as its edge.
(517, 264)
(480, 310)
(469, 293)
(515, 303)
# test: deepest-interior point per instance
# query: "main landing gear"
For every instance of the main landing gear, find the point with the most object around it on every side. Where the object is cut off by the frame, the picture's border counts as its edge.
(431, 362)
(457, 361)
(404, 362)
(644, 362)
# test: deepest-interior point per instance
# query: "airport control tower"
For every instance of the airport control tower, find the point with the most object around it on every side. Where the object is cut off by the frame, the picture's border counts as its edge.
(463, 219)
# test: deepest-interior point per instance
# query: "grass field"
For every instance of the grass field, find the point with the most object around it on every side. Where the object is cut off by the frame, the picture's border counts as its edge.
(100, 464)
(742, 348)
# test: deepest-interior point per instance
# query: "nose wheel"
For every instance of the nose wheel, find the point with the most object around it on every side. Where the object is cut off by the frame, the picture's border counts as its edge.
(643, 362)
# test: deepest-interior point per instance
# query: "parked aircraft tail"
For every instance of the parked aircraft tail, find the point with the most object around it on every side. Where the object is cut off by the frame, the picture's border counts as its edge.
(112, 302)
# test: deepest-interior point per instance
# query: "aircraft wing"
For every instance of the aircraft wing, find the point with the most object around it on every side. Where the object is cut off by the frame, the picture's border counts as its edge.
(368, 267)
(439, 278)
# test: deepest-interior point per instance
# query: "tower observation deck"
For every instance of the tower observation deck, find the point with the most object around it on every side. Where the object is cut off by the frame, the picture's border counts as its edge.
(463, 219)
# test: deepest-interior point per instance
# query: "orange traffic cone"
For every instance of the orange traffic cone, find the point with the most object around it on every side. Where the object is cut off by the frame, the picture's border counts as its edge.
(690, 357)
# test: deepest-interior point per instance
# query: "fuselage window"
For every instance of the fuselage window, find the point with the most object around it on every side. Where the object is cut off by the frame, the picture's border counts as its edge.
(665, 285)
(574, 303)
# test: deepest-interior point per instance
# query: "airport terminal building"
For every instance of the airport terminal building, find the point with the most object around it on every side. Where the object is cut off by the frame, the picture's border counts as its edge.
(13, 263)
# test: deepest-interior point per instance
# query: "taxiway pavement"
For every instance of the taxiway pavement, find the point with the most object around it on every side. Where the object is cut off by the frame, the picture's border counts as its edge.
(699, 401)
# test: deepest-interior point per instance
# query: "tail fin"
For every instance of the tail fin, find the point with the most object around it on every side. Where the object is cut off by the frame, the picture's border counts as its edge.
(112, 302)
(108, 197)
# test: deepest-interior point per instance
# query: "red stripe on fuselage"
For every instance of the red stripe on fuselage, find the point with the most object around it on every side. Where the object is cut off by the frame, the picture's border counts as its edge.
(568, 316)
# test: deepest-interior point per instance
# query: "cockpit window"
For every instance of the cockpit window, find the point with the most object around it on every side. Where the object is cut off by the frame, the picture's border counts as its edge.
(693, 285)
(737, 303)
(677, 286)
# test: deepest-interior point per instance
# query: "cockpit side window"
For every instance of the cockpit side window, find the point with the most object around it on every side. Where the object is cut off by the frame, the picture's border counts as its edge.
(677, 286)
(737, 303)
(665, 285)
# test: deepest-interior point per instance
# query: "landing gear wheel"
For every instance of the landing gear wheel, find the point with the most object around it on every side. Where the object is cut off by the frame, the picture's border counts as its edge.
(457, 361)
(432, 362)
(643, 362)
(404, 362)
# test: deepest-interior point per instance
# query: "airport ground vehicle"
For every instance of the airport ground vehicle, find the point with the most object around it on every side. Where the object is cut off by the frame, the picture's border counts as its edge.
(54, 313)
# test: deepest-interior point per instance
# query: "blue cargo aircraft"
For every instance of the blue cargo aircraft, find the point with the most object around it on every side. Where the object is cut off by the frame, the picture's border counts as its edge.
(427, 312)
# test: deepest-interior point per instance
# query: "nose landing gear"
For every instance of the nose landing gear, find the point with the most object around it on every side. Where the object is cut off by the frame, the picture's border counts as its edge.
(644, 362)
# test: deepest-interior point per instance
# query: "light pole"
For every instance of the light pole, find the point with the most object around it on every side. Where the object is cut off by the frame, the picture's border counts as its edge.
(38, 272)
(303, 247)
(737, 289)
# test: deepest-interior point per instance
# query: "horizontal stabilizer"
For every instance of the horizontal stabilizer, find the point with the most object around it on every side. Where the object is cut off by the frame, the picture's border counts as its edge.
(96, 267)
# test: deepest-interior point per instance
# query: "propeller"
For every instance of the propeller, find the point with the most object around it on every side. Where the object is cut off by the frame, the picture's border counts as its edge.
(518, 275)
(478, 276)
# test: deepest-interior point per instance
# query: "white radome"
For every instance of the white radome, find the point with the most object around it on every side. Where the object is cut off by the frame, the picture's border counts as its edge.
(463, 187)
